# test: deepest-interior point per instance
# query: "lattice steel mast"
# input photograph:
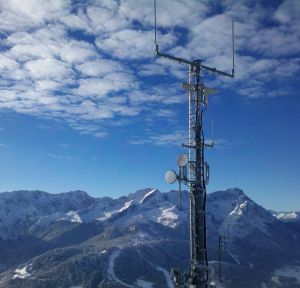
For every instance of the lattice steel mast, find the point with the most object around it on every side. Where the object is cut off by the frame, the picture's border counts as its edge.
(193, 170)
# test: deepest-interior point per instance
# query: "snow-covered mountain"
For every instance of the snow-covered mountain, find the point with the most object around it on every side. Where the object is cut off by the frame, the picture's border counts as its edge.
(23, 212)
(75, 240)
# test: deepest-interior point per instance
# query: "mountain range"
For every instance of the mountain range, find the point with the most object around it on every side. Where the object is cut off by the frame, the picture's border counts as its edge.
(74, 240)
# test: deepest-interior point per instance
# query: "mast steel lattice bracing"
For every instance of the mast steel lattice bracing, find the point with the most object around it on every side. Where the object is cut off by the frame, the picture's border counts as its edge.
(195, 171)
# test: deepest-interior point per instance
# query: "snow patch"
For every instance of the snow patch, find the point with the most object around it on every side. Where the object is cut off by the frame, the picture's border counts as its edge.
(21, 273)
(286, 216)
(72, 216)
(168, 217)
(246, 214)
(126, 206)
(108, 215)
(147, 195)
(239, 209)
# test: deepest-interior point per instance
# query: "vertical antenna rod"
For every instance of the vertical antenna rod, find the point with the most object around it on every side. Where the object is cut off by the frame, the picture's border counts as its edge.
(195, 173)
(155, 40)
(233, 48)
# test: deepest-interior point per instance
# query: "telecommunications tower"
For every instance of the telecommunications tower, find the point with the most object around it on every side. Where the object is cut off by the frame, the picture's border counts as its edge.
(193, 170)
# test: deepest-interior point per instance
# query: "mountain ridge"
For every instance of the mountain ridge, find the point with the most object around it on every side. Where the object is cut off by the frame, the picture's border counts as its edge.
(86, 236)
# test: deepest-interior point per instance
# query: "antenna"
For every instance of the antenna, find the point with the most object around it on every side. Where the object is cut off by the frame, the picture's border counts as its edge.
(188, 62)
(182, 162)
(171, 176)
(233, 48)
(193, 170)
(212, 133)
(155, 40)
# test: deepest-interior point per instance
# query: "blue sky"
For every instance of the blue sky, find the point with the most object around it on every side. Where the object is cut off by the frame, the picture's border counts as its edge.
(84, 104)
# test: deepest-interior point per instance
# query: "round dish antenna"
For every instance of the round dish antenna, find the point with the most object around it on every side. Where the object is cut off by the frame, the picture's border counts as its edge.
(182, 160)
(170, 176)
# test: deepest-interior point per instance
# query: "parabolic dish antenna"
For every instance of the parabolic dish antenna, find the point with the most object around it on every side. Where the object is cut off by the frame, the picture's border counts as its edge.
(170, 176)
(182, 160)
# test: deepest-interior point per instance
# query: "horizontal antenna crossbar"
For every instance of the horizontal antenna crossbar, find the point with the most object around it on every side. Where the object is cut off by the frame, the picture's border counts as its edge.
(216, 71)
(175, 59)
(191, 63)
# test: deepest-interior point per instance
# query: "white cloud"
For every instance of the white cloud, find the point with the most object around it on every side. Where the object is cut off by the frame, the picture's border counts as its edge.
(170, 13)
(37, 11)
(103, 86)
(106, 19)
(47, 42)
(7, 95)
(214, 34)
(77, 52)
(77, 21)
(288, 68)
(131, 44)
(21, 15)
(165, 113)
(288, 12)
(47, 69)
(41, 85)
(89, 62)
(274, 42)
(153, 69)
(174, 138)
(158, 94)
(99, 67)
(7, 63)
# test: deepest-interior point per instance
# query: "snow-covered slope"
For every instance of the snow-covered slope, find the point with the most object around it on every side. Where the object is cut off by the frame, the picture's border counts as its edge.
(287, 216)
(21, 209)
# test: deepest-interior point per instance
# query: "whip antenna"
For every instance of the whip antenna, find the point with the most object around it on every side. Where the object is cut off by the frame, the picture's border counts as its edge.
(233, 48)
(155, 41)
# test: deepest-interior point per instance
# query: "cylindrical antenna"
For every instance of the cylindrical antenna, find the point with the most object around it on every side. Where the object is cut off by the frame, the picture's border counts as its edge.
(233, 49)
(155, 41)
